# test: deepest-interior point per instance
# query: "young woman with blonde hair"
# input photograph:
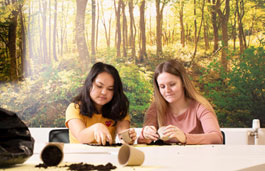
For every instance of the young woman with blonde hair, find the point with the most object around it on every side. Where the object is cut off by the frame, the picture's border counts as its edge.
(185, 115)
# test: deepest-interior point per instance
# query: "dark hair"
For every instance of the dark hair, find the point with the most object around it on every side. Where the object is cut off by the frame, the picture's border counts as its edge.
(117, 108)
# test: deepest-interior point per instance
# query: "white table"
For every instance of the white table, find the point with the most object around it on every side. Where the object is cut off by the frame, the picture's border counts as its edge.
(174, 157)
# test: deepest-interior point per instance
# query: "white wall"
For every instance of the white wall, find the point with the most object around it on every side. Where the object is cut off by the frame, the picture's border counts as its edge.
(41, 135)
(233, 136)
(240, 136)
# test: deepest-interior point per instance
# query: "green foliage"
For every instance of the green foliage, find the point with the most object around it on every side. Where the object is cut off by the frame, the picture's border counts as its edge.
(238, 95)
(42, 100)
(138, 88)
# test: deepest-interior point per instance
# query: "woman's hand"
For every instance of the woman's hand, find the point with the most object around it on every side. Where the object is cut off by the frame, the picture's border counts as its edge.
(132, 135)
(150, 132)
(123, 126)
(172, 131)
(101, 134)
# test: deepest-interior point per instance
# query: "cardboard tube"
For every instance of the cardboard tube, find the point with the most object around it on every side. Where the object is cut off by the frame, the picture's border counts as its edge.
(52, 154)
(130, 156)
(126, 136)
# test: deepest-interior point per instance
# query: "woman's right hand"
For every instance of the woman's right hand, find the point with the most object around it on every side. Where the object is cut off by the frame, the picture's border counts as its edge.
(101, 134)
(150, 132)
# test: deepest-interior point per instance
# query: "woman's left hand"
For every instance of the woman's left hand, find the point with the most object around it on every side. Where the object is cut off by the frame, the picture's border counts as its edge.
(133, 135)
(129, 136)
(172, 131)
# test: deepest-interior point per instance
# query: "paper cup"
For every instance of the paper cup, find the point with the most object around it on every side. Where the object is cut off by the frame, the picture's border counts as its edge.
(126, 136)
(130, 156)
(161, 133)
(52, 154)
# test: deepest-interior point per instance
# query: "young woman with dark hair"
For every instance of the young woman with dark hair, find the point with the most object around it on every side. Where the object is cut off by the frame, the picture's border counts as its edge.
(100, 110)
(185, 115)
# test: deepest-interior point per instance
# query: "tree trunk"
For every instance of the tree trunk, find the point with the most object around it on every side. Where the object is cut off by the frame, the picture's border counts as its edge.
(142, 32)
(80, 33)
(159, 23)
(55, 31)
(46, 58)
(224, 23)
(124, 29)
(205, 35)
(234, 30)
(214, 23)
(22, 67)
(12, 32)
(182, 29)
(118, 27)
(132, 29)
(93, 33)
(195, 23)
(187, 35)
(240, 14)
(198, 36)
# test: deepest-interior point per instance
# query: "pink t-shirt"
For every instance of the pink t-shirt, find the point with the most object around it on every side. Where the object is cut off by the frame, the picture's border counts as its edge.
(198, 123)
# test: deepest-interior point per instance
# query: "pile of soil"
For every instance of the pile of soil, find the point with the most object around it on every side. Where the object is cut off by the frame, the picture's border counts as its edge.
(82, 166)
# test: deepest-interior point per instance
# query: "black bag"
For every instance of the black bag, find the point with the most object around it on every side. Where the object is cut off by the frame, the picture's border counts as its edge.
(16, 142)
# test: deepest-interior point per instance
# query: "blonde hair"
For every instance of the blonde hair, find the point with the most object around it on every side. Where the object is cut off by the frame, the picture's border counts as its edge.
(176, 68)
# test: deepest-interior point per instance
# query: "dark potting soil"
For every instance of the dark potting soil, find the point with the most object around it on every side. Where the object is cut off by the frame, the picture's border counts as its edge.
(52, 156)
(83, 166)
(107, 144)
(159, 142)
(42, 165)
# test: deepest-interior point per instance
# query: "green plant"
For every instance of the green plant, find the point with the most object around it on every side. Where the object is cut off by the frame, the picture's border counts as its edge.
(138, 88)
(238, 95)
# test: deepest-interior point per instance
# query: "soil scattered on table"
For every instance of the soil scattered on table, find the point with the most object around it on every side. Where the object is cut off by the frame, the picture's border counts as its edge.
(82, 166)
(107, 144)
(159, 142)
(42, 165)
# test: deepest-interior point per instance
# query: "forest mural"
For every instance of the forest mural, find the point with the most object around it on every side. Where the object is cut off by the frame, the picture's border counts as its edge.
(48, 46)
